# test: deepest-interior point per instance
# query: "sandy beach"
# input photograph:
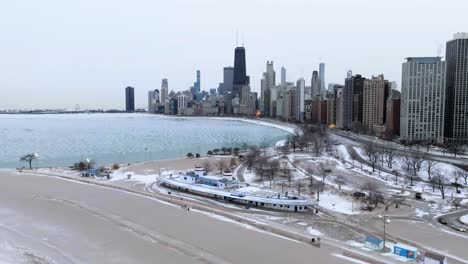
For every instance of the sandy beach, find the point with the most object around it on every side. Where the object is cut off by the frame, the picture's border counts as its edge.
(50, 220)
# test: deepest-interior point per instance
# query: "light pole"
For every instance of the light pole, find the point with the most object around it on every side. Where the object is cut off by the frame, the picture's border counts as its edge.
(145, 152)
(385, 221)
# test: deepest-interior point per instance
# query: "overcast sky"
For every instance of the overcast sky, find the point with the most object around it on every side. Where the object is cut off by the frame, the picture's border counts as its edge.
(56, 53)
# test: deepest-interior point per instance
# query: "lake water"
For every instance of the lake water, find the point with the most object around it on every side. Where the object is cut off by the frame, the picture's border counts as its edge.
(107, 138)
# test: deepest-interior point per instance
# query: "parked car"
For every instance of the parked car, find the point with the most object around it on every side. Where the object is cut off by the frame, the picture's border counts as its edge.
(418, 196)
(458, 228)
(442, 221)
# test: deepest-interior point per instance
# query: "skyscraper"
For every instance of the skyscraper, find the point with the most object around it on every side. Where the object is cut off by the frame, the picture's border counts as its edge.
(130, 99)
(315, 83)
(422, 99)
(240, 75)
(375, 95)
(164, 91)
(228, 84)
(358, 98)
(300, 95)
(228, 79)
(283, 77)
(321, 77)
(151, 101)
(347, 103)
(198, 83)
(456, 99)
(268, 81)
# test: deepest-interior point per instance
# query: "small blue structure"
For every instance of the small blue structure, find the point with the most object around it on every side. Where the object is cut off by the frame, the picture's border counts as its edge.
(406, 251)
(89, 173)
(373, 243)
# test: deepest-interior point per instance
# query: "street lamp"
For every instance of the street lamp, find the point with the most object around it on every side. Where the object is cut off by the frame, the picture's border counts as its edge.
(385, 221)
(87, 162)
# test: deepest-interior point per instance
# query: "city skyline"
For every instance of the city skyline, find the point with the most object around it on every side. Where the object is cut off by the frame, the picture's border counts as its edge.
(59, 59)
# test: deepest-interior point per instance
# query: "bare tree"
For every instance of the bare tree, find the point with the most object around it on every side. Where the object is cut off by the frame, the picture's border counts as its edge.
(207, 165)
(221, 165)
(389, 155)
(430, 166)
(233, 162)
(310, 173)
(465, 176)
(324, 169)
(393, 200)
(252, 156)
(340, 180)
(418, 161)
(262, 167)
(370, 187)
(299, 186)
(286, 172)
(29, 158)
(274, 167)
(372, 154)
(441, 180)
(456, 176)
(456, 149)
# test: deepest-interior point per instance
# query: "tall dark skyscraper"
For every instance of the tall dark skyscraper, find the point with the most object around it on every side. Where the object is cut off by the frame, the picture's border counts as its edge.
(130, 99)
(198, 84)
(240, 75)
(358, 97)
(456, 97)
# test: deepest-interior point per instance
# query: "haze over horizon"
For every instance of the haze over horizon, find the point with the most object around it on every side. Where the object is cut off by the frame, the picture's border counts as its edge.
(87, 52)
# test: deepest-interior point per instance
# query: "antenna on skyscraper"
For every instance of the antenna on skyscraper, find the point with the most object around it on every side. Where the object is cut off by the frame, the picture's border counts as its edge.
(242, 39)
(237, 38)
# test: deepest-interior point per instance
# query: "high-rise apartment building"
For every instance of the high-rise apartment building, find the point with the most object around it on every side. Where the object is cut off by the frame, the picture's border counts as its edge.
(375, 95)
(164, 91)
(322, 78)
(130, 99)
(151, 101)
(268, 81)
(283, 77)
(315, 83)
(456, 98)
(300, 99)
(347, 103)
(358, 97)
(422, 99)
(392, 121)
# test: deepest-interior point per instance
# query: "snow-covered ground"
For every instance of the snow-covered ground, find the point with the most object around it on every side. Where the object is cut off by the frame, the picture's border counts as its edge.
(313, 232)
(338, 203)
(120, 175)
(464, 219)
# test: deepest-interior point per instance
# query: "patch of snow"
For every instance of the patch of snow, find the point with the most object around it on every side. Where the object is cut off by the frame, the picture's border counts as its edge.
(313, 232)
(420, 213)
(464, 219)
(120, 175)
(281, 143)
(337, 203)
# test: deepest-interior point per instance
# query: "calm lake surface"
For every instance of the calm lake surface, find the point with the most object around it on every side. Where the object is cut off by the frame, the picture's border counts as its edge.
(106, 138)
